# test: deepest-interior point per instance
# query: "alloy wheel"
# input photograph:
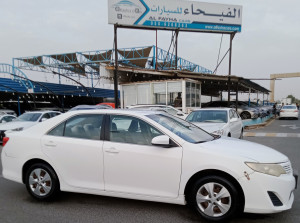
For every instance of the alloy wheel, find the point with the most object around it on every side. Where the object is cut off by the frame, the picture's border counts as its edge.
(40, 182)
(213, 199)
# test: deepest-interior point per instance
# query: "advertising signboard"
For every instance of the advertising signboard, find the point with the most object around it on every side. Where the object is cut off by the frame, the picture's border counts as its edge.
(175, 14)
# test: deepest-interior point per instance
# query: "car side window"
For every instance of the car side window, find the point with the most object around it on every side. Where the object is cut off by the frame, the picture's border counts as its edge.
(81, 126)
(127, 129)
(231, 115)
(235, 115)
(46, 115)
(58, 130)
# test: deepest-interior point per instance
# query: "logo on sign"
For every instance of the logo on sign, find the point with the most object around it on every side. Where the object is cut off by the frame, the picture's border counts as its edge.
(126, 9)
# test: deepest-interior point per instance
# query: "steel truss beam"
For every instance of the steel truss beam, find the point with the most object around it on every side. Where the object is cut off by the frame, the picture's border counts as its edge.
(87, 63)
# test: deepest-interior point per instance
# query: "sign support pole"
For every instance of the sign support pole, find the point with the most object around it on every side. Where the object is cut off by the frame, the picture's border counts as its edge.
(116, 68)
(176, 48)
(229, 72)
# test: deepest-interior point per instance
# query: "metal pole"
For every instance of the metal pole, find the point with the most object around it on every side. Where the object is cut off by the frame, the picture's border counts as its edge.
(229, 73)
(176, 48)
(237, 95)
(19, 107)
(116, 68)
(156, 52)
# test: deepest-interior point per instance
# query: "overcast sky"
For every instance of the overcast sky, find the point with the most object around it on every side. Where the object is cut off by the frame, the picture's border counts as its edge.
(269, 42)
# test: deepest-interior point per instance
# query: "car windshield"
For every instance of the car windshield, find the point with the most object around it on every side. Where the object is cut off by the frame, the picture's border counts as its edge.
(28, 117)
(181, 128)
(208, 116)
(289, 107)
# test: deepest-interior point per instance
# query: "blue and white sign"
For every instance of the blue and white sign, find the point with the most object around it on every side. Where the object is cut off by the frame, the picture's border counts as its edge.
(174, 14)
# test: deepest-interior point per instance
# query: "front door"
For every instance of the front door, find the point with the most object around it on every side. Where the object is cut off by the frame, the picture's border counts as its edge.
(133, 165)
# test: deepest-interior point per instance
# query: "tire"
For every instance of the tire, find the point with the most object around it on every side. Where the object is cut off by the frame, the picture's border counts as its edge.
(229, 134)
(245, 115)
(203, 198)
(41, 182)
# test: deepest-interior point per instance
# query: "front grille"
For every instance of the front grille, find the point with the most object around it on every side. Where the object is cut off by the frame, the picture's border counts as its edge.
(275, 200)
(287, 167)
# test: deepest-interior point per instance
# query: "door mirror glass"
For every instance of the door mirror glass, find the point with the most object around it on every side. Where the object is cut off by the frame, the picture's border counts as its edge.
(161, 140)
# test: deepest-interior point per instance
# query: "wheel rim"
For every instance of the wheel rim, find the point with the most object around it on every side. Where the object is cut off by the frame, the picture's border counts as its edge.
(213, 199)
(40, 182)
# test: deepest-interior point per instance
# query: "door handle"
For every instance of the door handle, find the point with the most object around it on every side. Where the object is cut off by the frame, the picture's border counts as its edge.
(50, 144)
(112, 150)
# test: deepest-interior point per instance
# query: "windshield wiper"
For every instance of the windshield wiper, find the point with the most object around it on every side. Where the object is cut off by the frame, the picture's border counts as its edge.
(216, 137)
(200, 142)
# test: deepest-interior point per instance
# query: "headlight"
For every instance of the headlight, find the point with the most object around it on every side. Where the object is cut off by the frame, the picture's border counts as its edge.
(18, 129)
(270, 169)
(219, 132)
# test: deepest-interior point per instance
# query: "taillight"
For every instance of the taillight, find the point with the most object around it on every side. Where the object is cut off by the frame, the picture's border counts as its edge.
(4, 141)
(296, 111)
(281, 111)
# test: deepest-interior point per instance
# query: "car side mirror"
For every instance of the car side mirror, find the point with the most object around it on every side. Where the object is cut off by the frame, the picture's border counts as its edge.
(180, 114)
(234, 120)
(44, 119)
(162, 140)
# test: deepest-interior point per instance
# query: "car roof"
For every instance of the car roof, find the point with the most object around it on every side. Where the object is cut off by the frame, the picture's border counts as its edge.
(146, 105)
(212, 108)
(40, 112)
(117, 111)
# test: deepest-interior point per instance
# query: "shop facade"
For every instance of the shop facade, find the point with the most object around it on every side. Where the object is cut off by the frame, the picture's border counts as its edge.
(183, 94)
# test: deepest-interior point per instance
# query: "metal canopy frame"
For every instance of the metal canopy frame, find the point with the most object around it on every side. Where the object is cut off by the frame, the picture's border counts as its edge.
(116, 26)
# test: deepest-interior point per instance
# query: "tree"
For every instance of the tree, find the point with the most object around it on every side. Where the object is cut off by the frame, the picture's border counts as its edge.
(294, 100)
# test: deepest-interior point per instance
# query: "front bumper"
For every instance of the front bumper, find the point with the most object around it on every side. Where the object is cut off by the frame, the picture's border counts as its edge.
(268, 194)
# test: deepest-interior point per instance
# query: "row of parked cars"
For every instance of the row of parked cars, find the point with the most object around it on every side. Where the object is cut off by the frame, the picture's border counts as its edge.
(148, 154)
(245, 109)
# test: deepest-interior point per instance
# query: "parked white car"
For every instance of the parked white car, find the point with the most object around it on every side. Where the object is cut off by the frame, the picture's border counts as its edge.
(25, 120)
(6, 118)
(151, 156)
(7, 112)
(166, 108)
(289, 111)
(219, 121)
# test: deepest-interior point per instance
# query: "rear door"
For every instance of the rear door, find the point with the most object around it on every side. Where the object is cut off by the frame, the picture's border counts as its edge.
(75, 148)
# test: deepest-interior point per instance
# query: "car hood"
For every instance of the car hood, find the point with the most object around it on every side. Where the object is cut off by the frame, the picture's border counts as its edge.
(15, 125)
(249, 151)
(209, 126)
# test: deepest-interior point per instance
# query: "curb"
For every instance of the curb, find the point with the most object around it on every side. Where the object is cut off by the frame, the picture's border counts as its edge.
(264, 124)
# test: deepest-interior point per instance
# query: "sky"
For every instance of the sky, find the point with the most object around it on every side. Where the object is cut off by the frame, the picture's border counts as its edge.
(268, 44)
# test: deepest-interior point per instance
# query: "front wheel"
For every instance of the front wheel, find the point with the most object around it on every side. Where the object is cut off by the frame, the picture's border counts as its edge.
(214, 198)
(41, 182)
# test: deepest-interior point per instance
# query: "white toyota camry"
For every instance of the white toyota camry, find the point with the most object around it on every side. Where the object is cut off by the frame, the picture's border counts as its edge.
(152, 156)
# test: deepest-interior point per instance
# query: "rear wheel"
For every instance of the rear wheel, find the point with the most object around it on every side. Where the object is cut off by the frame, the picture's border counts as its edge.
(214, 198)
(41, 182)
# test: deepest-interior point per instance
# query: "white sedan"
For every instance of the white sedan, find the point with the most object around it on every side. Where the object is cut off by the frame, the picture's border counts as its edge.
(289, 111)
(151, 156)
(219, 121)
(25, 120)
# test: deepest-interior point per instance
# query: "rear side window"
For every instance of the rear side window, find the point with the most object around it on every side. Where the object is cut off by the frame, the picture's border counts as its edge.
(81, 126)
